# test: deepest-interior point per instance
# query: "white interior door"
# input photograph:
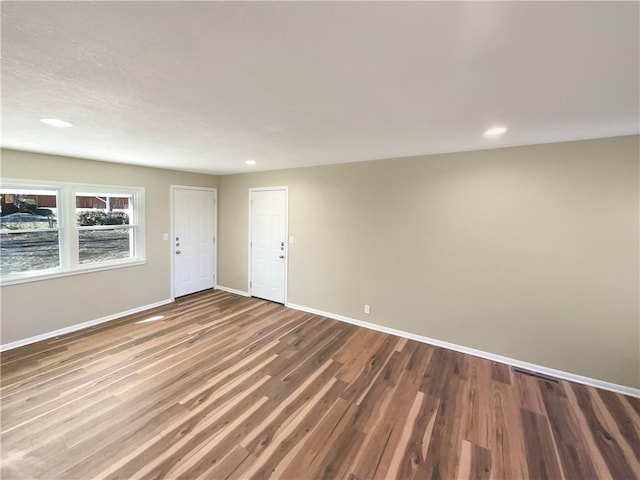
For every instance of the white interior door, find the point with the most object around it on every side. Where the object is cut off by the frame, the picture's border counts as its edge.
(268, 244)
(193, 240)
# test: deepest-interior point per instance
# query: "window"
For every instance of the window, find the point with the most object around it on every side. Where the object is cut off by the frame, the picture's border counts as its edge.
(62, 229)
(104, 229)
(29, 235)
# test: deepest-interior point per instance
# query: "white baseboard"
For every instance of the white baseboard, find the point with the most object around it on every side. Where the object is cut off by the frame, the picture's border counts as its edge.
(80, 326)
(232, 290)
(634, 392)
(572, 377)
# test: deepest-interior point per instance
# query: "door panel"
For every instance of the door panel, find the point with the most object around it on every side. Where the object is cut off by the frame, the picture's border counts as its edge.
(268, 244)
(194, 248)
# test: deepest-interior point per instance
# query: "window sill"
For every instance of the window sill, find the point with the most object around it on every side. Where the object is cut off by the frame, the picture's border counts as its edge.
(36, 277)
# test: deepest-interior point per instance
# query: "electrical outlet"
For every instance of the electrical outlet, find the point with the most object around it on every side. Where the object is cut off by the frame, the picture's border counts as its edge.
(367, 309)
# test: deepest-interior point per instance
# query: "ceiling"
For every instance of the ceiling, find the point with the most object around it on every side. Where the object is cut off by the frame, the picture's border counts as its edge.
(204, 86)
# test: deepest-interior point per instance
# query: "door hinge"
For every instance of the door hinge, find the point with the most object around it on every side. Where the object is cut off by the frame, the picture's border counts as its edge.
(250, 284)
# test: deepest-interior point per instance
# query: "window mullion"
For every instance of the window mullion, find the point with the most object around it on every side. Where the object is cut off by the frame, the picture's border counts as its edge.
(70, 230)
(105, 227)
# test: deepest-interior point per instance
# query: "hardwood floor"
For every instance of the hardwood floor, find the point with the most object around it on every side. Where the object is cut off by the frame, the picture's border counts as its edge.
(231, 387)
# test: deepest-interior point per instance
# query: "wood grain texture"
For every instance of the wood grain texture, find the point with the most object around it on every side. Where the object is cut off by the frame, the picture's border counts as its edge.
(232, 387)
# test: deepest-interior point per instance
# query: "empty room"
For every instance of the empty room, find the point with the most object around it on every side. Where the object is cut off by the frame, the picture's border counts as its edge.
(305, 240)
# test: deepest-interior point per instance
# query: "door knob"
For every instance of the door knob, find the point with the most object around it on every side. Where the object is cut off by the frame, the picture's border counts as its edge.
(177, 252)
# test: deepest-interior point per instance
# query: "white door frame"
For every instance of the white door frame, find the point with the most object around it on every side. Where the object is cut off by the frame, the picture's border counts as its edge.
(286, 236)
(172, 234)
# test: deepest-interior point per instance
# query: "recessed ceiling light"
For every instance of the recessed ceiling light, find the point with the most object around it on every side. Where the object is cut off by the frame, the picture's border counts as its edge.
(54, 122)
(495, 131)
(250, 162)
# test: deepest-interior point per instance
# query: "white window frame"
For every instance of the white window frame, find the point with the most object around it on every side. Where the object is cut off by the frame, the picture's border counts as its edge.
(68, 229)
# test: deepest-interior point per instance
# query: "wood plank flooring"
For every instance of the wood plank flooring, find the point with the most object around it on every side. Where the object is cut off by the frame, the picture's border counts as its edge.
(231, 387)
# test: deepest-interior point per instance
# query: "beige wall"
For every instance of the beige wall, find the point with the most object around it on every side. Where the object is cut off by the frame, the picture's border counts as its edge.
(528, 252)
(30, 309)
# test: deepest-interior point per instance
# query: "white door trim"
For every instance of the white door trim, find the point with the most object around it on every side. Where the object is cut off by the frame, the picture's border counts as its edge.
(172, 234)
(286, 236)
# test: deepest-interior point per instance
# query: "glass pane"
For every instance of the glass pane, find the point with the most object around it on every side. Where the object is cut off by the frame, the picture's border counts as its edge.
(105, 245)
(28, 251)
(103, 209)
(24, 209)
